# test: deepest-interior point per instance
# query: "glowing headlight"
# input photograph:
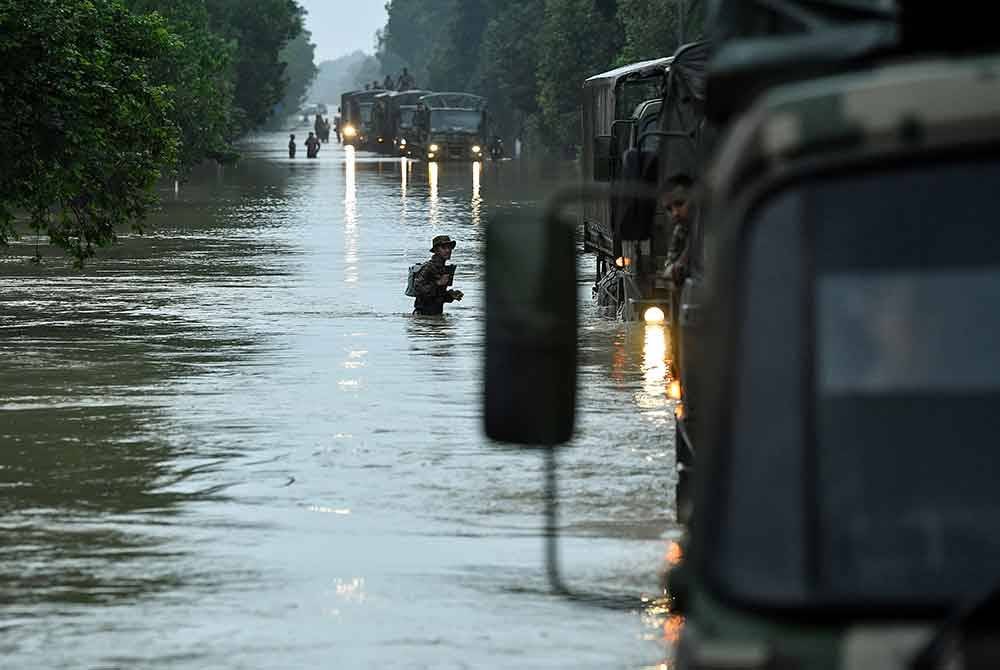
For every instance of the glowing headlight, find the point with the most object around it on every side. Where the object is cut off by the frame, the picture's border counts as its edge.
(477, 149)
(430, 155)
(434, 148)
(402, 143)
(654, 315)
(350, 131)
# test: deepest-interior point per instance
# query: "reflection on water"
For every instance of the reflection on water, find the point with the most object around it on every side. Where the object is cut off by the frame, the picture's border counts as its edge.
(662, 624)
(434, 204)
(656, 368)
(404, 171)
(350, 217)
(226, 431)
(477, 195)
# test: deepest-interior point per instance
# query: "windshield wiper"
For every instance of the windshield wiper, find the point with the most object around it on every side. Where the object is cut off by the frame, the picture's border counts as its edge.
(976, 615)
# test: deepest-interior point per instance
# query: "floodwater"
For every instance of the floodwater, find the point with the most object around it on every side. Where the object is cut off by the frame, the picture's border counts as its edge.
(227, 444)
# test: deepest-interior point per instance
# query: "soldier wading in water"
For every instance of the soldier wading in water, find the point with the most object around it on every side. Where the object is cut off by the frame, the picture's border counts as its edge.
(430, 283)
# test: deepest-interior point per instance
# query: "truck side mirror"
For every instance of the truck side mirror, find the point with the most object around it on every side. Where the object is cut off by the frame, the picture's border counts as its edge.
(530, 389)
(603, 157)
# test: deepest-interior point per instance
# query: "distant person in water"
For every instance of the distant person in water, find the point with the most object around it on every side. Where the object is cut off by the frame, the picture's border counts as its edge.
(312, 146)
(291, 146)
(387, 83)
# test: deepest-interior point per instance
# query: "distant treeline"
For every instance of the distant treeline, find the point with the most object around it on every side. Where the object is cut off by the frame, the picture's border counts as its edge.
(101, 98)
(530, 57)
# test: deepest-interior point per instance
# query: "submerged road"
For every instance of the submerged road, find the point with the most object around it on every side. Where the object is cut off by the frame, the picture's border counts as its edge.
(227, 444)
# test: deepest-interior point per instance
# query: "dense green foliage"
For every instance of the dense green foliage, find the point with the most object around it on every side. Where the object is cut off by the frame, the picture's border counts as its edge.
(530, 57)
(260, 30)
(85, 126)
(101, 98)
(300, 72)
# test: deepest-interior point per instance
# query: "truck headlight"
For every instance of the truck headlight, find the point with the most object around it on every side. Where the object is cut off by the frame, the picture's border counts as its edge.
(350, 131)
(402, 143)
(654, 315)
(434, 148)
(477, 149)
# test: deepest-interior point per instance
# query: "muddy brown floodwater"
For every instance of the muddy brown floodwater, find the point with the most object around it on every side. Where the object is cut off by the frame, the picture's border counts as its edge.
(227, 444)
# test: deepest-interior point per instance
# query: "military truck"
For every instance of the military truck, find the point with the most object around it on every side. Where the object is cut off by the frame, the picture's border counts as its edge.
(661, 139)
(451, 126)
(610, 100)
(382, 127)
(845, 498)
(357, 127)
(395, 121)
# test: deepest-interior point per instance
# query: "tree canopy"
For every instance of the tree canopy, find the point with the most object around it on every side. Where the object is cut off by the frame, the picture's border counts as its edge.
(530, 57)
(101, 98)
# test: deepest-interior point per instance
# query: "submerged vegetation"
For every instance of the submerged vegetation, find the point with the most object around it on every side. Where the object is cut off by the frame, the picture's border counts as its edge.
(102, 98)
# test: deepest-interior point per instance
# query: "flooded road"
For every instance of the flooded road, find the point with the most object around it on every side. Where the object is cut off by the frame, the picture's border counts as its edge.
(227, 444)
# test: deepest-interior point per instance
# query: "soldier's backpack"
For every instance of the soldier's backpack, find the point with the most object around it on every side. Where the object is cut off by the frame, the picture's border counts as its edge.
(414, 269)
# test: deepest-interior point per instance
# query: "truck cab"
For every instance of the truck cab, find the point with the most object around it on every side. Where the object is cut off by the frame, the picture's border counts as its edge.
(848, 506)
(451, 126)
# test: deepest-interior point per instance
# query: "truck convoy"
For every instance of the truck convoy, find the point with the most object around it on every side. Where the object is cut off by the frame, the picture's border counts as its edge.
(419, 124)
(843, 313)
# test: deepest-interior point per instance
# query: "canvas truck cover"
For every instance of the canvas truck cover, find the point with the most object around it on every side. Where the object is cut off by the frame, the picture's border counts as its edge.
(601, 108)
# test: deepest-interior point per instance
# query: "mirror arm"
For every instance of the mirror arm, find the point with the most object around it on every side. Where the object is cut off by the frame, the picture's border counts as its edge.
(553, 210)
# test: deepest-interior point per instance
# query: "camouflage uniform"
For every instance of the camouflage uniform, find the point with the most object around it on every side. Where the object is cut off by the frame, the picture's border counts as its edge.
(677, 256)
(431, 297)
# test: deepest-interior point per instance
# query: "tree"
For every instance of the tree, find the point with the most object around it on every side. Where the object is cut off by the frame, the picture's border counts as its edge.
(455, 60)
(509, 63)
(578, 39)
(198, 74)
(260, 29)
(85, 129)
(300, 72)
(414, 26)
(656, 28)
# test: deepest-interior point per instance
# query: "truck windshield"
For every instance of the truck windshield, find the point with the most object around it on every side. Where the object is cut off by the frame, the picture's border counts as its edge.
(908, 382)
(366, 112)
(406, 118)
(878, 470)
(456, 121)
(634, 92)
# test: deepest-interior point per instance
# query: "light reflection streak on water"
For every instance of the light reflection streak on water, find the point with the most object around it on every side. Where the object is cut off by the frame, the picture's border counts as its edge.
(654, 368)
(350, 217)
(665, 626)
(477, 197)
(352, 590)
(434, 204)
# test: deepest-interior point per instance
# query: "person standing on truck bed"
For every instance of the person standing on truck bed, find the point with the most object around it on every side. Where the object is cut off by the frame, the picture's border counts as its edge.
(406, 82)
(431, 282)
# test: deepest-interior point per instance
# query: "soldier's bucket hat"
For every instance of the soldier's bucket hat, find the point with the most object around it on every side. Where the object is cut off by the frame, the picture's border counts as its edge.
(442, 241)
